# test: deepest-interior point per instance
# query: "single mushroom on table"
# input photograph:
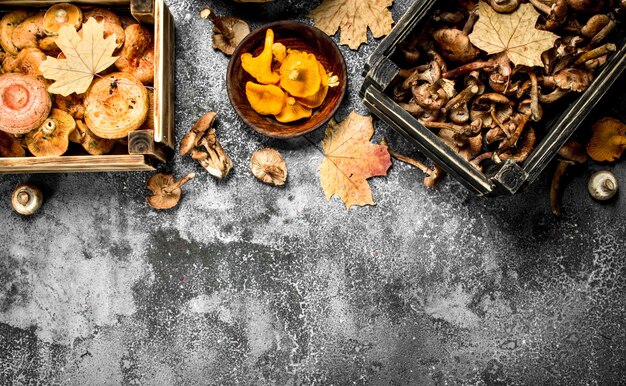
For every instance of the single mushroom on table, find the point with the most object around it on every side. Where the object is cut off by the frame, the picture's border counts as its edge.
(24, 103)
(603, 185)
(228, 31)
(268, 166)
(608, 140)
(166, 191)
(52, 138)
(26, 199)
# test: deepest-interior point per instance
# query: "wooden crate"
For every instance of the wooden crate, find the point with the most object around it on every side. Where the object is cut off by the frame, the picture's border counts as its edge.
(145, 147)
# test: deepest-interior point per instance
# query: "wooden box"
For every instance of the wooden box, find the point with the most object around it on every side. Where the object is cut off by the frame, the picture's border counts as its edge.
(145, 147)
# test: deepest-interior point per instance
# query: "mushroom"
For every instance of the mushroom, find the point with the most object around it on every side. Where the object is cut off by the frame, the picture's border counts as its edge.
(594, 25)
(166, 191)
(115, 105)
(317, 99)
(432, 175)
(91, 143)
(280, 52)
(59, 15)
(9, 146)
(504, 6)
(28, 33)
(52, 138)
(573, 151)
(72, 104)
(137, 56)
(293, 111)
(265, 99)
(586, 6)
(268, 166)
(112, 24)
(24, 103)
(603, 185)
(26, 199)
(555, 186)
(300, 74)
(7, 25)
(489, 106)
(608, 140)
(228, 31)
(555, 14)
(455, 45)
(569, 79)
(196, 133)
(260, 67)
(26, 62)
(596, 53)
(214, 160)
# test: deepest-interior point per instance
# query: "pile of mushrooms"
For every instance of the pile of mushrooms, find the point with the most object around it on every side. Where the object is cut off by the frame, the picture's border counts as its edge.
(481, 105)
(45, 125)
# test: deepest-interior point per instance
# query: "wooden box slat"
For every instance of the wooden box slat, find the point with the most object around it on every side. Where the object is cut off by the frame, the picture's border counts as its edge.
(67, 164)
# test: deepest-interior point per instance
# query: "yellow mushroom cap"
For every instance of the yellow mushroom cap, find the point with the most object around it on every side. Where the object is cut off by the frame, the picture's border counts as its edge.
(265, 99)
(260, 67)
(300, 74)
(317, 99)
(52, 137)
(280, 52)
(608, 141)
(293, 111)
(59, 15)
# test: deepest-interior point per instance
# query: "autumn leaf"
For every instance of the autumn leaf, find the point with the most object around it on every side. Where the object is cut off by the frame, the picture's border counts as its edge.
(350, 159)
(353, 16)
(515, 34)
(84, 58)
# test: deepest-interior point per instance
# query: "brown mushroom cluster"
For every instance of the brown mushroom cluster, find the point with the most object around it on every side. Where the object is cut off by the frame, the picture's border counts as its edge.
(483, 106)
(43, 125)
(202, 144)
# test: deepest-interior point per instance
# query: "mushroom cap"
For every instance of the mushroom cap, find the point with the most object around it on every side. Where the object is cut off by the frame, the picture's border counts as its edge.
(268, 166)
(279, 51)
(28, 32)
(162, 198)
(300, 74)
(137, 56)
(7, 25)
(603, 185)
(608, 140)
(24, 103)
(293, 111)
(265, 99)
(92, 144)
(226, 43)
(574, 79)
(196, 133)
(455, 45)
(116, 105)
(586, 6)
(52, 138)
(260, 67)
(59, 15)
(317, 99)
(573, 151)
(9, 146)
(26, 62)
(26, 199)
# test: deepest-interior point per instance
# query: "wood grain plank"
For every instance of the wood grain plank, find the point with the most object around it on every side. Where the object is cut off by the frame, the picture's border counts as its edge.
(67, 164)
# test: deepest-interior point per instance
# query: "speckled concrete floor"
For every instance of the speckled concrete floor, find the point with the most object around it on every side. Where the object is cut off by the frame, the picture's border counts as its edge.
(248, 284)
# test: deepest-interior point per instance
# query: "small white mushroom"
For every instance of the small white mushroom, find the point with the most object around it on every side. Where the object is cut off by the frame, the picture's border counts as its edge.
(603, 185)
(26, 199)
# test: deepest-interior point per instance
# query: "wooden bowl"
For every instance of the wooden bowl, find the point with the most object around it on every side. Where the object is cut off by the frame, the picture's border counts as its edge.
(294, 36)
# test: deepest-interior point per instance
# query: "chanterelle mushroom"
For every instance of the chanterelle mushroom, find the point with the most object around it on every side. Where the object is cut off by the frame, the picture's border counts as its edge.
(265, 99)
(260, 67)
(300, 74)
(52, 138)
(608, 140)
(24, 103)
(228, 31)
(166, 191)
(268, 166)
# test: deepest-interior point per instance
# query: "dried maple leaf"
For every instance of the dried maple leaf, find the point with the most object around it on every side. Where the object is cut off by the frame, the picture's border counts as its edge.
(350, 159)
(515, 34)
(84, 58)
(353, 16)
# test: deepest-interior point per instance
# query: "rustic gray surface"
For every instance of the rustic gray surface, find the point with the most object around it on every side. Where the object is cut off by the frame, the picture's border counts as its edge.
(249, 284)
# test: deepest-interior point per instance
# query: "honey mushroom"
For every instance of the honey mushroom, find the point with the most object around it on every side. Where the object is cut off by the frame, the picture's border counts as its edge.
(228, 31)
(116, 105)
(24, 103)
(202, 134)
(52, 138)
(166, 191)
(268, 166)
(137, 56)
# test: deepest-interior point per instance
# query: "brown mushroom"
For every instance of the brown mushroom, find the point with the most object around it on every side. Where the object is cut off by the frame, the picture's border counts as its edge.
(196, 133)
(490, 105)
(72, 104)
(59, 15)
(26, 62)
(28, 33)
(504, 6)
(214, 160)
(594, 25)
(24, 103)
(228, 31)
(116, 105)
(555, 14)
(268, 166)
(586, 6)
(90, 142)
(555, 185)
(455, 45)
(7, 25)
(137, 56)
(26, 199)
(112, 24)
(9, 146)
(166, 191)
(569, 79)
(608, 140)
(52, 138)
(573, 151)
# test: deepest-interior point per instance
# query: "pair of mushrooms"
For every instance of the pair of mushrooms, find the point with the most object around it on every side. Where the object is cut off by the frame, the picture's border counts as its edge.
(290, 84)
(484, 108)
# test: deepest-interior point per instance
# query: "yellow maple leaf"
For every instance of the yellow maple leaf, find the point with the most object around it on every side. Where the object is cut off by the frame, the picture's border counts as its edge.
(84, 58)
(351, 159)
(514, 33)
(353, 16)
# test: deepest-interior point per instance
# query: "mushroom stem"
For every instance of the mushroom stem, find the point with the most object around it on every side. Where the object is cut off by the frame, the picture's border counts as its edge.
(433, 179)
(179, 183)
(604, 32)
(479, 159)
(553, 96)
(502, 127)
(208, 13)
(23, 197)
(465, 130)
(462, 98)
(406, 159)
(534, 97)
(48, 127)
(543, 8)
(596, 53)
(467, 68)
(518, 132)
(469, 24)
(555, 186)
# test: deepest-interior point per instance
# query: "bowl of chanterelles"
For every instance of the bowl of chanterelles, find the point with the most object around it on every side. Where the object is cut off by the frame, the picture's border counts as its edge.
(286, 79)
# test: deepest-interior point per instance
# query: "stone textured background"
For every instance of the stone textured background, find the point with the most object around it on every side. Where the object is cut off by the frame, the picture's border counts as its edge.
(249, 284)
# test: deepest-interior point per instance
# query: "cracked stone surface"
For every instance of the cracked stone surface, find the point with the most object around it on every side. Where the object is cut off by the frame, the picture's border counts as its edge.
(248, 284)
